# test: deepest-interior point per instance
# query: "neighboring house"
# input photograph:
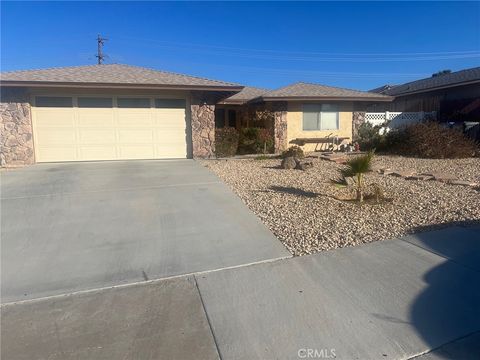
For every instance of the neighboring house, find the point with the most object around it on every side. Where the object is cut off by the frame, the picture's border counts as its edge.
(107, 112)
(305, 110)
(115, 112)
(454, 96)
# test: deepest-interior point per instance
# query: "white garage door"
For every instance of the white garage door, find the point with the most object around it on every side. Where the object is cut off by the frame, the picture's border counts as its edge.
(108, 128)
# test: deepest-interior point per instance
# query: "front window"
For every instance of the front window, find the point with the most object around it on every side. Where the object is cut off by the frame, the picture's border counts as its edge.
(320, 117)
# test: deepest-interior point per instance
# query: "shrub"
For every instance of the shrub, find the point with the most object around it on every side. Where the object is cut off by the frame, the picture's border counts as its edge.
(226, 142)
(430, 140)
(355, 169)
(369, 137)
(255, 141)
(295, 151)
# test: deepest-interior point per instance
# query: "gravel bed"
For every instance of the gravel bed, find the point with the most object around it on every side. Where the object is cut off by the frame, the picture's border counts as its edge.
(300, 209)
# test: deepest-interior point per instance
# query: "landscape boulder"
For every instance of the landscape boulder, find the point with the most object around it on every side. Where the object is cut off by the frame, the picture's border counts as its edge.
(289, 163)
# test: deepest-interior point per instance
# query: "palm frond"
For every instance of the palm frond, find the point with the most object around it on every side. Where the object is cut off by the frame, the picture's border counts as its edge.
(359, 165)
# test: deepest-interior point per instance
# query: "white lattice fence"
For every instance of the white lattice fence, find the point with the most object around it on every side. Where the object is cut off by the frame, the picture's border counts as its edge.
(396, 119)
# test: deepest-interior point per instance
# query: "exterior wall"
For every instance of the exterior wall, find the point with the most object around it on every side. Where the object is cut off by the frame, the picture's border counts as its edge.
(280, 125)
(444, 101)
(295, 124)
(357, 120)
(202, 114)
(16, 133)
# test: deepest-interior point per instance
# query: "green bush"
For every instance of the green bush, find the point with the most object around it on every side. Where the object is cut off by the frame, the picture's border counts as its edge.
(255, 141)
(295, 151)
(226, 142)
(369, 137)
(430, 140)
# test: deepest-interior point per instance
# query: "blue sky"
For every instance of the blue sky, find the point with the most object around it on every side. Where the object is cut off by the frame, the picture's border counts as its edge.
(268, 44)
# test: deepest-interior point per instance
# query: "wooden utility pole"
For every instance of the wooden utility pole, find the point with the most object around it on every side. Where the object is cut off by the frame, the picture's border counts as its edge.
(100, 56)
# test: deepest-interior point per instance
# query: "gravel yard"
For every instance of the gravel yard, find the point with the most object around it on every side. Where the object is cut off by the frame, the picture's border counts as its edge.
(300, 208)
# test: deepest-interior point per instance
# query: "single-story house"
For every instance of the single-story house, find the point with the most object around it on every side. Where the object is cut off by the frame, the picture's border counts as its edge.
(114, 112)
(107, 112)
(453, 96)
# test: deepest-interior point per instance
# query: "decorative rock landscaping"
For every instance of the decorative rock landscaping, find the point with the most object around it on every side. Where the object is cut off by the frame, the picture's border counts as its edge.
(302, 207)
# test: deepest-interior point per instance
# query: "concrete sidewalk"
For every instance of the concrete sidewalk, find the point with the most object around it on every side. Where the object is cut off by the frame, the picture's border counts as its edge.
(394, 299)
(385, 300)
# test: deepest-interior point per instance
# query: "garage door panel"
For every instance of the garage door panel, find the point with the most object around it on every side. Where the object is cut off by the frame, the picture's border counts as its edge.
(170, 151)
(92, 119)
(169, 135)
(136, 136)
(108, 133)
(96, 136)
(97, 152)
(134, 119)
(57, 153)
(137, 152)
(56, 136)
(56, 119)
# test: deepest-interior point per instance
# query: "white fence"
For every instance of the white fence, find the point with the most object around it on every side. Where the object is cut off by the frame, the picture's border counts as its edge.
(397, 119)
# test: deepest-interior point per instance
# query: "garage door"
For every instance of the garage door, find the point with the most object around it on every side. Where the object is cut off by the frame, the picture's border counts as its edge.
(108, 128)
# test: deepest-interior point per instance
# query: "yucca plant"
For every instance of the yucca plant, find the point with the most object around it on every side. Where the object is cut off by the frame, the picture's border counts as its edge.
(355, 169)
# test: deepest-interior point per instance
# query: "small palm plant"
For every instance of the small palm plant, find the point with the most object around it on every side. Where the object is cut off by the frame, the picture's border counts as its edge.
(355, 169)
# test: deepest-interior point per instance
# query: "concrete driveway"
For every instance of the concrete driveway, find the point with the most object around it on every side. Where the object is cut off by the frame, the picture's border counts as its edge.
(77, 226)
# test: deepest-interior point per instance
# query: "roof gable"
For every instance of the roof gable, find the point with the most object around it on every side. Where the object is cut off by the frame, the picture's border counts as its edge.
(302, 90)
(248, 93)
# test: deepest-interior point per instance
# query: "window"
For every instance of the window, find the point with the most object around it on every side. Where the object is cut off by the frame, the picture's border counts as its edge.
(50, 101)
(170, 103)
(232, 118)
(95, 102)
(219, 118)
(320, 117)
(133, 103)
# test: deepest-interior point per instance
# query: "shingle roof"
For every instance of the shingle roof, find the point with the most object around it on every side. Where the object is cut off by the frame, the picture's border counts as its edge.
(117, 74)
(248, 93)
(303, 90)
(381, 89)
(446, 80)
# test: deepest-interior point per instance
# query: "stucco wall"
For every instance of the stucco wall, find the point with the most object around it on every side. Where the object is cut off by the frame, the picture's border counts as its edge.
(16, 134)
(295, 124)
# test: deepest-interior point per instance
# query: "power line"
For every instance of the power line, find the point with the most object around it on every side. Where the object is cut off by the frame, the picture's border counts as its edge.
(308, 56)
(100, 56)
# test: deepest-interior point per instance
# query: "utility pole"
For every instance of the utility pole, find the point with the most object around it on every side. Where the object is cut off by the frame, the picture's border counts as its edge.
(100, 56)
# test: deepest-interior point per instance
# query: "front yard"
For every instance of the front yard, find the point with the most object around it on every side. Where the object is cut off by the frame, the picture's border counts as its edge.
(300, 207)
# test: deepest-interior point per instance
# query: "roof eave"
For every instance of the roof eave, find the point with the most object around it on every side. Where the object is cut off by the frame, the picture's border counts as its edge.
(233, 102)
(10, 83)
(328, 98)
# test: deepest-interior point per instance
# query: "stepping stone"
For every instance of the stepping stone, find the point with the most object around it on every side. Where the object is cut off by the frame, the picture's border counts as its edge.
(403, 173)
(442, 177)
(464, 183)
(420, 177)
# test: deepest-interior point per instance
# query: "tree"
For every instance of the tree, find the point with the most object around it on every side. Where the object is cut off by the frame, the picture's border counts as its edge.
(441, 72)
(355, 169)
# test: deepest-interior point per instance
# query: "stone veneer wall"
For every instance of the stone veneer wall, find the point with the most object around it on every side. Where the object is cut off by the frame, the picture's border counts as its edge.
(358, 118)
(203, 126)
(280, 125)
(16, 133)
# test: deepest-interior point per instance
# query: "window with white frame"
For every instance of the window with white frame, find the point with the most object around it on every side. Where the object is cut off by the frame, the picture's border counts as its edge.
(320, 117)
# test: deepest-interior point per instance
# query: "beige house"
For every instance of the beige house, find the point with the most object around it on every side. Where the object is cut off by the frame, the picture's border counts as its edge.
(118, 112)
(307, 114)
(107, 112)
